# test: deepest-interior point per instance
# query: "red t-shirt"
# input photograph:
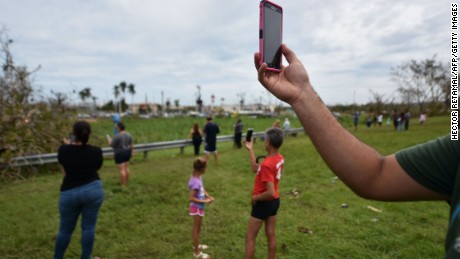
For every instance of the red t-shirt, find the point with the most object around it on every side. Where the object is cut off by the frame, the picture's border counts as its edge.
(269, 171)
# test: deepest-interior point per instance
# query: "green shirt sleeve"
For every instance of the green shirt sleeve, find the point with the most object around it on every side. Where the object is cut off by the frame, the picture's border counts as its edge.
(433, 164)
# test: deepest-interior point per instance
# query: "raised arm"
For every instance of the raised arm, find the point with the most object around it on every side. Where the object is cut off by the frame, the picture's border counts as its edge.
(358, 165)
(252, 156)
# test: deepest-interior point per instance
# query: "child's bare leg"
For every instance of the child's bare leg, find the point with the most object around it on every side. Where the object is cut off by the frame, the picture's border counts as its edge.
(251, 235)
(270, 225)
(196, 233)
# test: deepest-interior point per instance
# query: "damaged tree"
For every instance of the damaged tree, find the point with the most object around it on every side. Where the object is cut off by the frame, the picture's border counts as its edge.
(27, 126)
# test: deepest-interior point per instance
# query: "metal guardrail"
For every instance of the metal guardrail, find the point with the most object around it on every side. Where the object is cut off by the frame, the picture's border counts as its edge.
(41, 159)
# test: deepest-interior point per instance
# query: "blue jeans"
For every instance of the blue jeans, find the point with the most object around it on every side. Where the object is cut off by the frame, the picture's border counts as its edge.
(85, 200)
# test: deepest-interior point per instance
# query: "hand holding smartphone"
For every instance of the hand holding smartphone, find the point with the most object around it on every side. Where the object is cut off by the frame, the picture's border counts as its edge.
(270, 35)
(249, 135)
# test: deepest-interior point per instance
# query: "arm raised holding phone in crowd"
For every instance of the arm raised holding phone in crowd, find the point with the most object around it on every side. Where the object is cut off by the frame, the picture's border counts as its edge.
(358, 165)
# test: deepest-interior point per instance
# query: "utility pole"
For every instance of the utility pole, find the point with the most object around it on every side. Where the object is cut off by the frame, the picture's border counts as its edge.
(162, 102)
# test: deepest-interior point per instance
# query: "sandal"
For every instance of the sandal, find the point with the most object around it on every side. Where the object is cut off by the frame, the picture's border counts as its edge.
(203, 247)
(201, 255)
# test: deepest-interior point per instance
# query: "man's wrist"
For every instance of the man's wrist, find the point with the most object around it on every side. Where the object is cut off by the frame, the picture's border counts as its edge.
(303, 95)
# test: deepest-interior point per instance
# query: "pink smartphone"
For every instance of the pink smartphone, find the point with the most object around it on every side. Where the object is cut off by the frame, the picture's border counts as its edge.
(270, 35)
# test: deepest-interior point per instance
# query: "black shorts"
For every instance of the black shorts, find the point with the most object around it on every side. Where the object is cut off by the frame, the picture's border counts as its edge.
(264, 209)
(122, 156)
(210, 147)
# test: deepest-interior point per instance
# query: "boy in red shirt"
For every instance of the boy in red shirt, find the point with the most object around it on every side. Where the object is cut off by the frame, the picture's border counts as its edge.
(265, 197)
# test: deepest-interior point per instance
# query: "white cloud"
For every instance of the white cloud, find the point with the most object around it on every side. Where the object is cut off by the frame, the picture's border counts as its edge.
(348, 47)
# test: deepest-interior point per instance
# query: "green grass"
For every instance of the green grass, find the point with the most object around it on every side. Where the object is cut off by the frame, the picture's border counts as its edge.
(149, 218)
(164, 129)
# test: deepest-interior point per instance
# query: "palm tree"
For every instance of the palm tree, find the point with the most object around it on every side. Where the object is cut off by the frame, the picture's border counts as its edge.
(176, 103)
(84, 94)
(94, 101)
(131, 91)
(168, 105)
(116, 92)
(123, 86)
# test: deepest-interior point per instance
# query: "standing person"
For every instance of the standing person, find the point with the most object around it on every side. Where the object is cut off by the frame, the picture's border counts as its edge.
(81, 191)
(422, 118)
(395, 118)
(211, 130)
(197, 139)
(238, 127)
(380, 119)
(368, 121)
(122, 145)
(407, 118)
(286, 125)
(115, 119)
(424, 172)
(265, 196)
(401, 121)
(198, 198)
(355, 120)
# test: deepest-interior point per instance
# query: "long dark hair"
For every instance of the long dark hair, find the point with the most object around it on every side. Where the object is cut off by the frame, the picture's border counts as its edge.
(82, 130)
(196, 129)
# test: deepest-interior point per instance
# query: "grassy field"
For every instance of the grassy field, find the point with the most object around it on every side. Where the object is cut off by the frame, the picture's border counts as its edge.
(164, 129)
(148, 218)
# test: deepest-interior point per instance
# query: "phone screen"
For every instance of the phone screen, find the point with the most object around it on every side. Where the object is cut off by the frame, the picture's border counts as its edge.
(272, 34)
(249, 135)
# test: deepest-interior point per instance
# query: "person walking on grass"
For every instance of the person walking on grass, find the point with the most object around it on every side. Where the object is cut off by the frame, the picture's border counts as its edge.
(198, 198)
(286, 126)
(238, 133)
(196, 136)
(424, 172)
(265, 196)
(81, 191)
(122, 145)
(210, 131)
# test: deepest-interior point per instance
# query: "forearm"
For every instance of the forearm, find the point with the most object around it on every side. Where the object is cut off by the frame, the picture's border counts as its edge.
(252, 160)
(267, 195)
(196, 200)
(357, 164)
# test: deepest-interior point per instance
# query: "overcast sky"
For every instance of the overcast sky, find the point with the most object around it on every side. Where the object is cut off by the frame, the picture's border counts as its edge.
(348, 47)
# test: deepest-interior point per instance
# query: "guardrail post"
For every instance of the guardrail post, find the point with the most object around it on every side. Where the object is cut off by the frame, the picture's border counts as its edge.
(145, 154)
(181, 150)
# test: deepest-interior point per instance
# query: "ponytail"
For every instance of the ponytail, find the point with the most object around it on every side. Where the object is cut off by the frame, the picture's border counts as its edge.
(82, 130)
